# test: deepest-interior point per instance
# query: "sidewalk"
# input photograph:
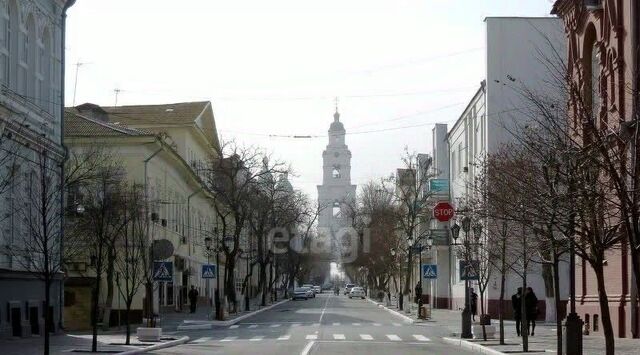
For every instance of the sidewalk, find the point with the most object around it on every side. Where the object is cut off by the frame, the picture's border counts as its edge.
(73, 343)
(202, 318)
(543, 341)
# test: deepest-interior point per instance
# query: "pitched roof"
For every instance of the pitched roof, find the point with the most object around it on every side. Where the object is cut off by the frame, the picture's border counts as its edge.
(176, 113)
(77, 125)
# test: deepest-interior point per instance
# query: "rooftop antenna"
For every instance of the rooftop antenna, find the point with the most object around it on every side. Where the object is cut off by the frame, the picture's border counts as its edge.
(116, 91)
(75, 85)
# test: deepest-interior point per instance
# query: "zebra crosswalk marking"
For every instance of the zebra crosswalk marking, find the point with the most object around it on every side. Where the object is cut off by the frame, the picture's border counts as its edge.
(257, 338)
(397, 324)
(253, 326)
(312, 336)
(420, 337)
(339, 337)
(234, 326)
(284, 337)
(274, 325)
(377, 324)
(393, 337)
(229, 339)
(356, 324)
(336, 323)
(366, 337)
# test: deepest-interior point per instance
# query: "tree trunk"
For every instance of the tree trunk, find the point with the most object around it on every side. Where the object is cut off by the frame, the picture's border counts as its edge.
(262, 284)
(111, 260)
(556, 291)
(94, 312)
(484, 328)
(603, 299)
(547, 276)
(524, 326)
(47, 315)
(127, 320)
(229, 284)
(501, 303)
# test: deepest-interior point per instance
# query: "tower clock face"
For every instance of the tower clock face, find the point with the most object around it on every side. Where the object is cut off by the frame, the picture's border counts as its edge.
(336, 154)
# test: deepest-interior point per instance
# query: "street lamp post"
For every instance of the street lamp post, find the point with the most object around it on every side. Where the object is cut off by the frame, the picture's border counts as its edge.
(207, 245)
(394, 253)
(573, 324)
(216, 293)
(466, 313)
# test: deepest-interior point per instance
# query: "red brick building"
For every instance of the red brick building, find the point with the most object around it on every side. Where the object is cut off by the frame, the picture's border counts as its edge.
(602, 61)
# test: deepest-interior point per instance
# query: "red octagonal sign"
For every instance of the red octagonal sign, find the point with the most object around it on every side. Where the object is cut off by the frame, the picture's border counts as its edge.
(443, 211)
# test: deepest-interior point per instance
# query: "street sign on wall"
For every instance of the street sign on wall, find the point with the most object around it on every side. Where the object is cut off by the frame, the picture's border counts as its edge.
(208, 271)
(429, 271)
(443, 211)
(439, 185)
(469, 270)
(163, 271)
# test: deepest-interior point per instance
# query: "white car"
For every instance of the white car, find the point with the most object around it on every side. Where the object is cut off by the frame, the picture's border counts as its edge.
(357, 292)
(317, 289)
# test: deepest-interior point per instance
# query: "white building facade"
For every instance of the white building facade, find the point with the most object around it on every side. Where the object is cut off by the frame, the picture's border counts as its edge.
(31, 97)
(516, 53)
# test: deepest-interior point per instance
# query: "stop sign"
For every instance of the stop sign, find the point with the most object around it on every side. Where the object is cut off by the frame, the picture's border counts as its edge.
(443, 211)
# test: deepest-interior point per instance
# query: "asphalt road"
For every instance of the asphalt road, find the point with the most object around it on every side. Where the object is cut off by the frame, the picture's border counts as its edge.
(328, 324)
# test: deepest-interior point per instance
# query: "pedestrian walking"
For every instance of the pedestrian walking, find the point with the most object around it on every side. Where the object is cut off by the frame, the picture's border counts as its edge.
(474, 305)
(531, 306)
(193, 298)
(516, 304)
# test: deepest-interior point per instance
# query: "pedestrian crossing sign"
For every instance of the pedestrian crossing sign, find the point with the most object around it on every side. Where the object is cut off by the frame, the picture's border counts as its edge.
(208, 271)
(469, 270)
(163, 271)
(429, 271)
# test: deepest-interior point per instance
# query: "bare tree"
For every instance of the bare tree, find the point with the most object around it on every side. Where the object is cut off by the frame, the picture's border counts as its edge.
(39, 210)
(132, 251)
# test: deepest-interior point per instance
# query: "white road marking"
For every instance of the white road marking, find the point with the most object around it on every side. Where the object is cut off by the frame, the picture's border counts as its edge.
(229, 339)
(316, 324)
(338, 336)
(324, 309)
(393, 337)
(356, 324)
(201, 340)
(296, 325)
(366, 337)
(284, 337)
(234, 326)
(397, 324)
(307, 348)
(253, 326)
(420, 337)
(312, 336)
(336, 323)
(377, 324)
(257, 338)
(274, 325)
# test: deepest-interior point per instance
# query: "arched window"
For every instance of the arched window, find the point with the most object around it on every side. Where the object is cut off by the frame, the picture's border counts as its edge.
(4, 44)
(336, 172)
(12, 44)
(336, 210)
(29, 58)
(45, 64)
(591, 62)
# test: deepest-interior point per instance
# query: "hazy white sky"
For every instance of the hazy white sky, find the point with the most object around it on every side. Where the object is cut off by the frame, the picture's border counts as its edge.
(274, 68)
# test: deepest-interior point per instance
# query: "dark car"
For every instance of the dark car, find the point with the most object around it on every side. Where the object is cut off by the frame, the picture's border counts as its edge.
(300, 293)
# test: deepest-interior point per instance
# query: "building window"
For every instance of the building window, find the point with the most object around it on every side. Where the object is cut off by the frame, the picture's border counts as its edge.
(30, 59)
(45, 72)
(5, 22)
(595, 87)
(336, 210)
(453, 166)
(336, 172)
(12, 44)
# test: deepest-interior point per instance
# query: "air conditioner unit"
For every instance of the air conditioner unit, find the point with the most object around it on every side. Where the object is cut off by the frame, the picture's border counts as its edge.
(154, 217)
(465, 169)
(593, 5)
(163, 222)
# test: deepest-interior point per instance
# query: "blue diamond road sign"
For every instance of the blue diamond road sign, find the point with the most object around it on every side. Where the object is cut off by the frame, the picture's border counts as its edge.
(429, 271)
(469, 270)
(208, 271)
(163, 271)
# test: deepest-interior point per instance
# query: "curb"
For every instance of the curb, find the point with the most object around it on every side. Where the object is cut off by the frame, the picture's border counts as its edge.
(396, 313)
(168, 344)
(211, 324)
(475, 347)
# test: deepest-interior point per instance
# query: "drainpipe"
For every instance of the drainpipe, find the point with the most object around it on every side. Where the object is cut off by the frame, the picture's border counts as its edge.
(63, 27)
(635, 51)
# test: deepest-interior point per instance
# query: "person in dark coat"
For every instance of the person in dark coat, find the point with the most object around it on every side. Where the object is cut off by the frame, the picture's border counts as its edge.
(193, 298)
(516, 303)
(474, 304)
(531, 306)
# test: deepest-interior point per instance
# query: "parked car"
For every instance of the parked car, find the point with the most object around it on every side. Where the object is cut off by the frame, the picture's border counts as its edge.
(311, 287)
(357, 292)
(347, 288)
(300, 293)
(317, 289)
